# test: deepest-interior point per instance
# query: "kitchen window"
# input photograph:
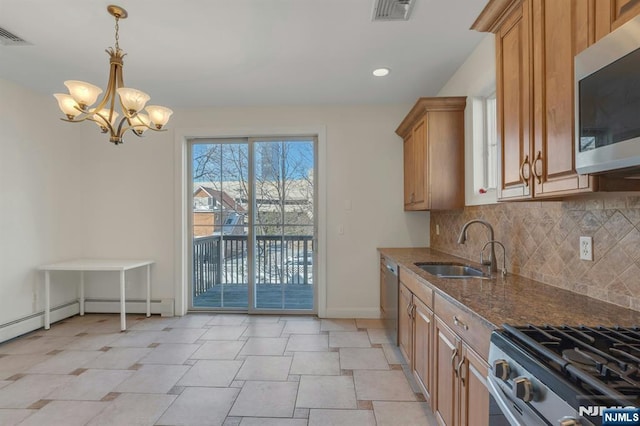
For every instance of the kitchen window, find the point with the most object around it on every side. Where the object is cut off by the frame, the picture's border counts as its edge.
(485, 144)
(490, 143)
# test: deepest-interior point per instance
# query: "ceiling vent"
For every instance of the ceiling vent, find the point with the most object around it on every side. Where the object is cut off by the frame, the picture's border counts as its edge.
(9, 39)
(392, 10)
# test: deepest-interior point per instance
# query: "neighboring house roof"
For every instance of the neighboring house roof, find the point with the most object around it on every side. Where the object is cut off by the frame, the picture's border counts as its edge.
(299, 194)
(223, 198)
(297, 189)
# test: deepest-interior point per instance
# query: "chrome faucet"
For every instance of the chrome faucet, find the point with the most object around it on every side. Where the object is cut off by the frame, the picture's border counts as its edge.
(504, 254)
(492, 257)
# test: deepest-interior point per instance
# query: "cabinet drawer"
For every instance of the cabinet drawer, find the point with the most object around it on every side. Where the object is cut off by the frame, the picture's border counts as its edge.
(471, 330)
(422, 291)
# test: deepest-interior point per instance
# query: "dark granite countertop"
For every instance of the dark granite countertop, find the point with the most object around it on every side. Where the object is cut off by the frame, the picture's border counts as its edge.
(512, 299)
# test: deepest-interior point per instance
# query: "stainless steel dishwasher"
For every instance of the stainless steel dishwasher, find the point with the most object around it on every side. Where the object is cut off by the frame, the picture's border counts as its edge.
(389, 298)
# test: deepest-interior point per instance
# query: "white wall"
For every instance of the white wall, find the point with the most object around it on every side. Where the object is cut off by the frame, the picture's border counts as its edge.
(131, 210)
(127, 211)
(476, 77)
(38, 199)
(65, 192)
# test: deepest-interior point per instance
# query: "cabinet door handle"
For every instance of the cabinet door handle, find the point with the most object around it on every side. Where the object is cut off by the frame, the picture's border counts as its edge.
(459, 370)
(522, 169)
(535, 164)
(413, 311)
(459, 323)
(453, 361)
(409, 309)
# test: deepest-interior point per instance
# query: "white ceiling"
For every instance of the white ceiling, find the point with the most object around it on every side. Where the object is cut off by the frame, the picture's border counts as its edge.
(193, 53)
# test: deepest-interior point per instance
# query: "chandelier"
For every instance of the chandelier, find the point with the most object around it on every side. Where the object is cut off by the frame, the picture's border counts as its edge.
(77, 105)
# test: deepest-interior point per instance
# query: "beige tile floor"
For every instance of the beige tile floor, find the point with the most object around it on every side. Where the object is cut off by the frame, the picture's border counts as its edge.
(207, 369)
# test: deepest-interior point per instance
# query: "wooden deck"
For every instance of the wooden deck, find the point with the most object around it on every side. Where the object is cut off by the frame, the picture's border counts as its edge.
(269, 296)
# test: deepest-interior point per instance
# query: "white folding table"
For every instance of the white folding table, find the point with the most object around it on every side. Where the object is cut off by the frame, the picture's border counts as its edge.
(103, 265)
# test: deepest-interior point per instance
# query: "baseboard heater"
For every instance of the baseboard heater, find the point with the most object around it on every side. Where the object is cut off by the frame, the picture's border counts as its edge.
(163, 307)
(26, 324)
(35, 321)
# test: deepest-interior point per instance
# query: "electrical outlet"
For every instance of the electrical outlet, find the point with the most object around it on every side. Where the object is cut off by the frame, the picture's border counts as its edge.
(586, 248)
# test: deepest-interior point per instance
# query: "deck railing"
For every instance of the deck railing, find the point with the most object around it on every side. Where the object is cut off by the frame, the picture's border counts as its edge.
(219, 259)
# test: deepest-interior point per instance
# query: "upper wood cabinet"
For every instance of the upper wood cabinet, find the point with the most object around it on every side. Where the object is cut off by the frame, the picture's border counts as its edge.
(536, 42)
(513, 93)
(433, 134)
(415, 174)
(622, 11)
(560, 29)
(603, 18)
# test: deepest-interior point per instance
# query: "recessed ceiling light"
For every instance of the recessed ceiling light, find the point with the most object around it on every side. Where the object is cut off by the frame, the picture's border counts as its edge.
(381, 72)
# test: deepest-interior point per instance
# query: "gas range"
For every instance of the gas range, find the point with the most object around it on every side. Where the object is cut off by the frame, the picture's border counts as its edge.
(564, 375)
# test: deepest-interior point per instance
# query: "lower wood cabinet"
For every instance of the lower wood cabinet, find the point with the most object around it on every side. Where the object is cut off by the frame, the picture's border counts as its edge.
(415, 330)
(461, 396)
(445, 402)
(405, 323)
(422, 346)
(474, 396)
(449, 366)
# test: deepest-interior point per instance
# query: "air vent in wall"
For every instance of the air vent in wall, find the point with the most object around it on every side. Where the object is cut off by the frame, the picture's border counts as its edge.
(9, 39)
(392, 10)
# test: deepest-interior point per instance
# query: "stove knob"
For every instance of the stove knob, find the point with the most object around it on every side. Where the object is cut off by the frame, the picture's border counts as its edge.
(569, 421)
(523, 389)
(501, 369)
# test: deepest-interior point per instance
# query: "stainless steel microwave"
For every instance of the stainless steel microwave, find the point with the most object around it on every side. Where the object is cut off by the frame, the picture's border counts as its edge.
(607, 102)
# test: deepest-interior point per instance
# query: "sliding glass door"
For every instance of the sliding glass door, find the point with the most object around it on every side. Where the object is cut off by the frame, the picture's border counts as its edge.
(220, 274)
(283, 224)
(253, 224)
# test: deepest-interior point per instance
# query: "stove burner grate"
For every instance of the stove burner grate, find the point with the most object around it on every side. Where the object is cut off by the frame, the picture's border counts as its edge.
(599, 360)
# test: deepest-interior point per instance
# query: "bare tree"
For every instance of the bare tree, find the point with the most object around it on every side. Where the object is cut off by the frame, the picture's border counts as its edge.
(283, 185)
(283, 181)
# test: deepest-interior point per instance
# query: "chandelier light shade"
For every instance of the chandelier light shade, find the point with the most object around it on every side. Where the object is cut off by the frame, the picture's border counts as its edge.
(77, 106)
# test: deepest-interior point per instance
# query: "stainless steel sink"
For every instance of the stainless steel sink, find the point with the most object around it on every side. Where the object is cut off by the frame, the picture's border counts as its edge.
(451, 270)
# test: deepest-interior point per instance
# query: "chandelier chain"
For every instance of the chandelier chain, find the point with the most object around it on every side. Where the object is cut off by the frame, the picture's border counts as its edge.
(117, 35)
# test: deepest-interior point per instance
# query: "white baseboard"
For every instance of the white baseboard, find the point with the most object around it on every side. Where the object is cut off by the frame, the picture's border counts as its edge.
(163, 307)
(353, 313)
(35, 321)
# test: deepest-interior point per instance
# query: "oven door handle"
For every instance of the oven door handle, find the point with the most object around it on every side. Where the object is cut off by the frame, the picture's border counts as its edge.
(499, 397)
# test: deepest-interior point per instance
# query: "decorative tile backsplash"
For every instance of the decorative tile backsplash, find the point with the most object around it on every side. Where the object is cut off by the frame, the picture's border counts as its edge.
(542, 242)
